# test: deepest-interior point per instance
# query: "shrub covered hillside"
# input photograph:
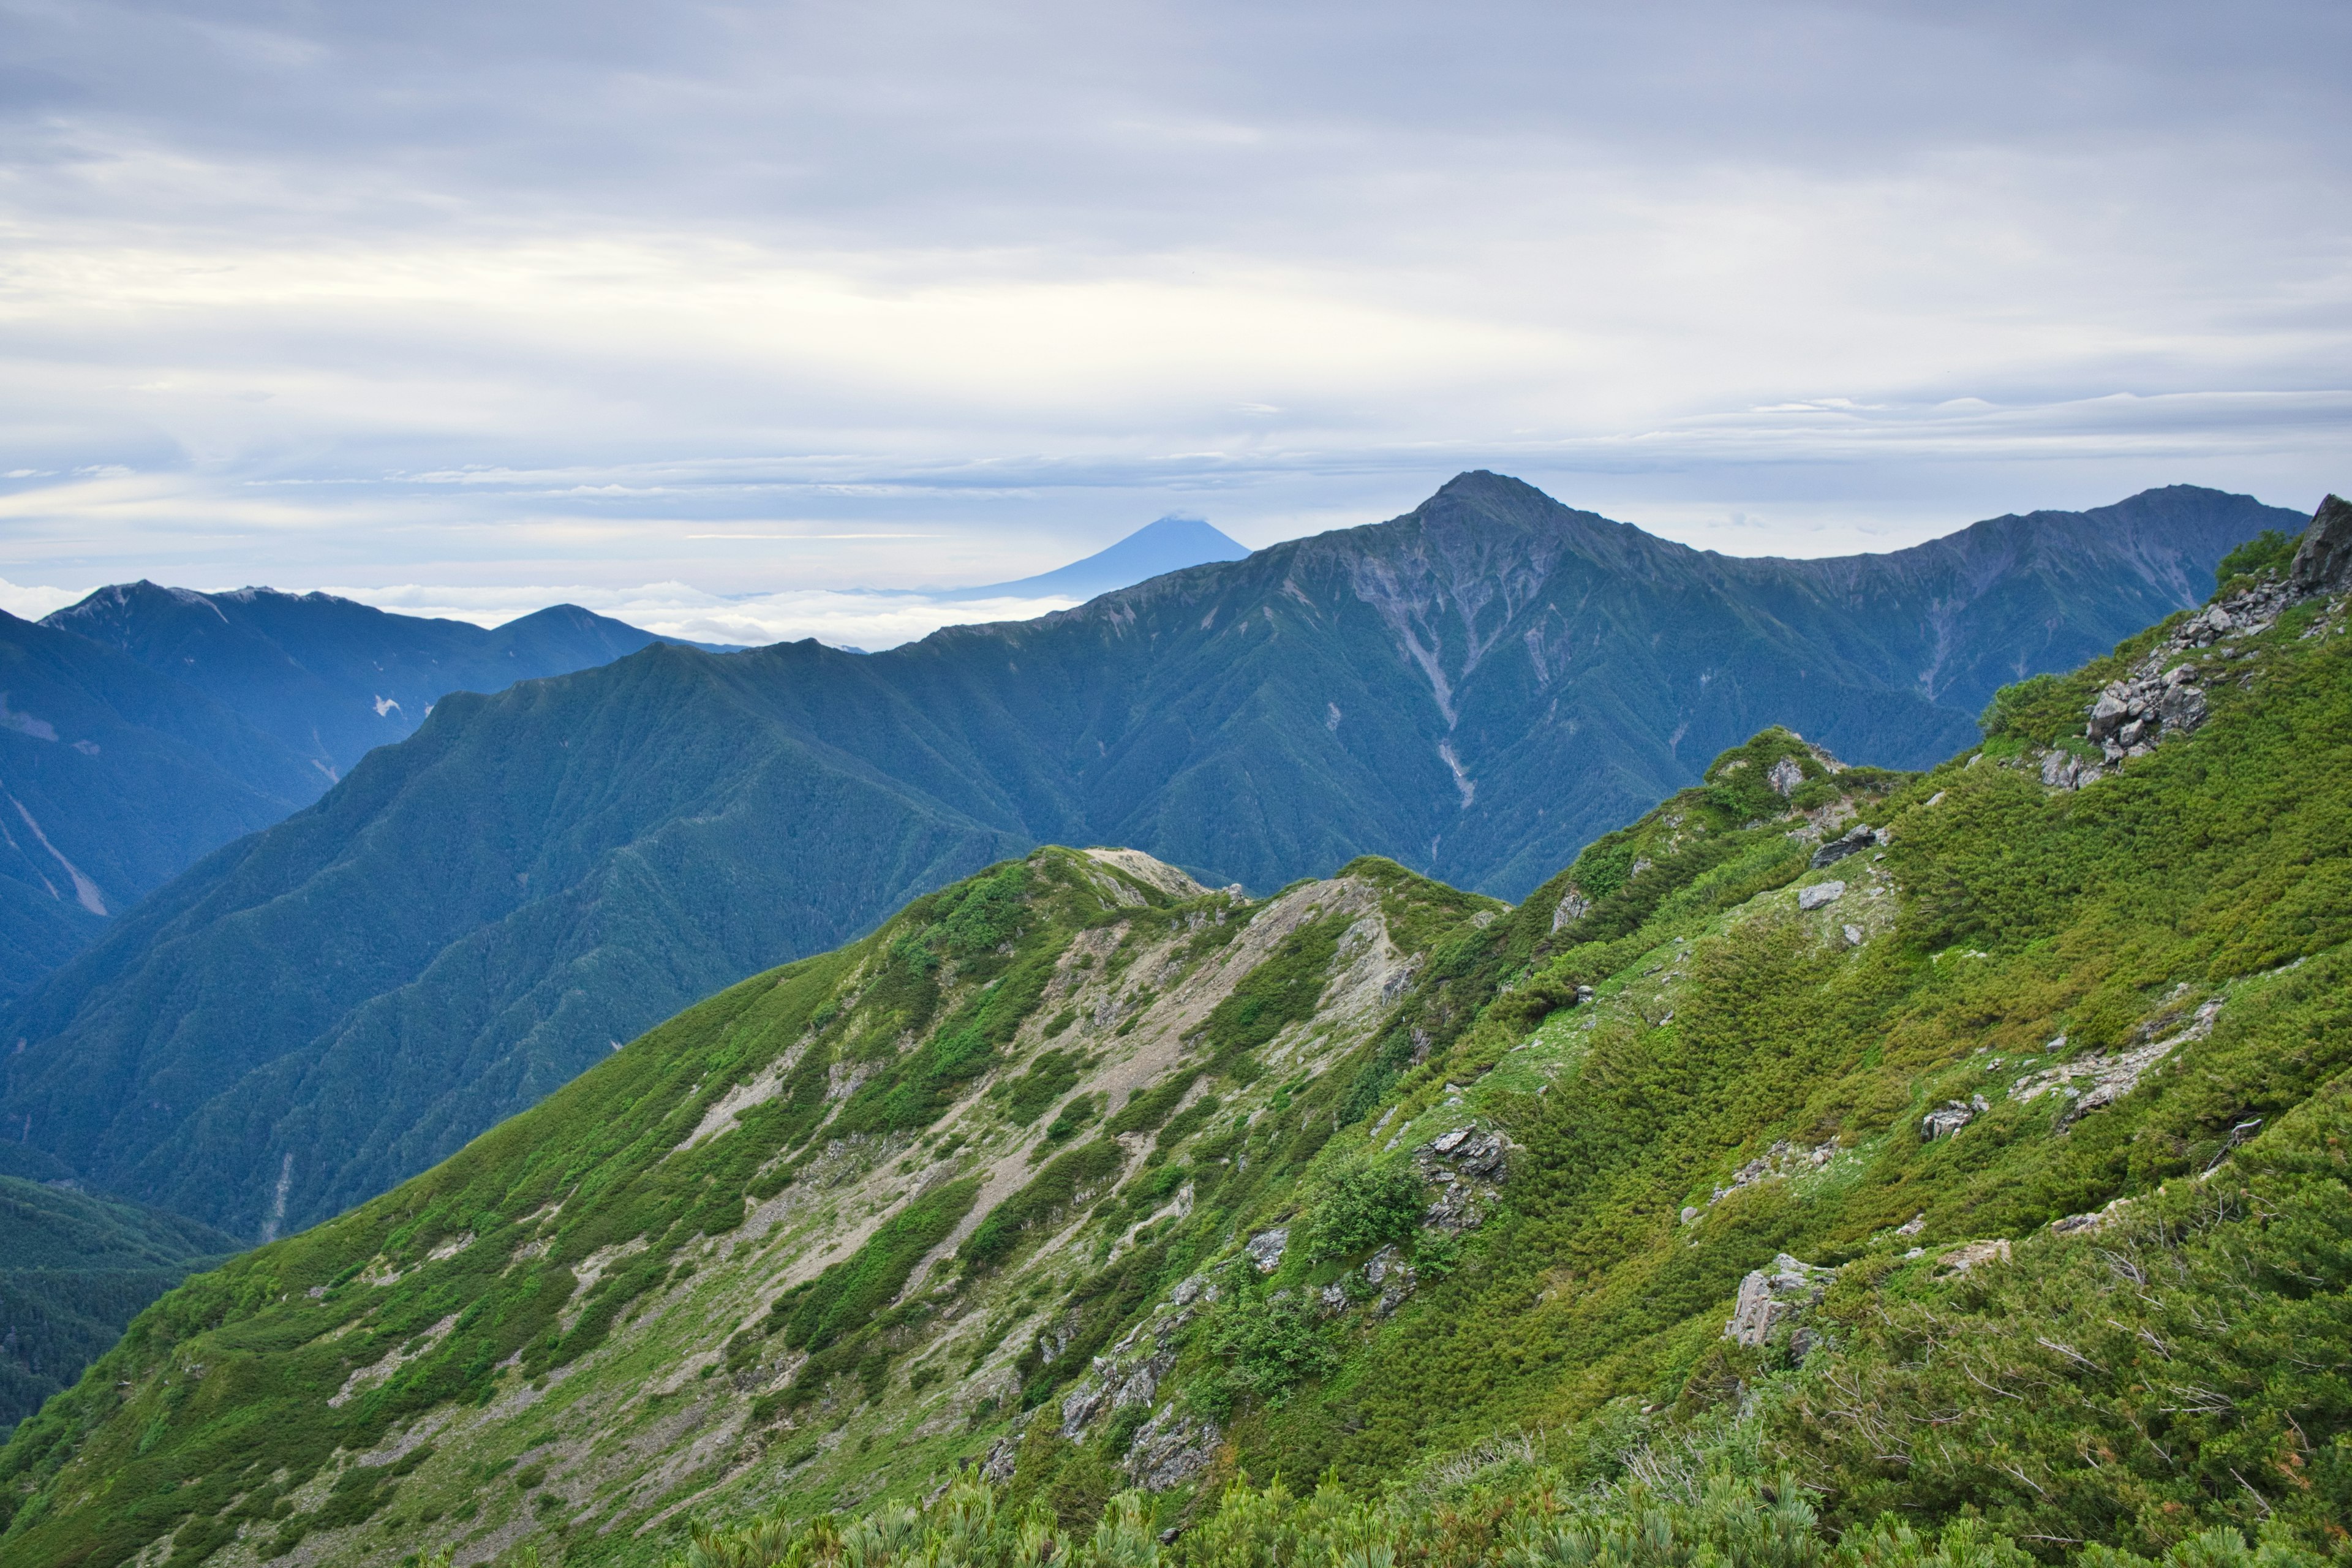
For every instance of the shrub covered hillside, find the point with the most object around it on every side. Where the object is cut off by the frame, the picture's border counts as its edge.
(1833, 1166)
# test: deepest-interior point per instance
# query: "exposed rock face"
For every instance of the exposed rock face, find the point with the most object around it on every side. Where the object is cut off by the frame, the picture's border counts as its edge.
(1950, 1117)
(1573, 906)
(1167, 1451)
(1770, 1297)
(1466, 1165)
(997, 1466)
(2107, 1079)
(1784, 776)
(1388, 1272)
(1820, 894)
(2322, 562)
(1855, 839)
(1130, 1371)
(1267, 1246)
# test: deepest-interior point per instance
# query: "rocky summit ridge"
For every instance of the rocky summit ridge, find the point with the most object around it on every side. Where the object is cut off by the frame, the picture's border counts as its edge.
(1981, 1193)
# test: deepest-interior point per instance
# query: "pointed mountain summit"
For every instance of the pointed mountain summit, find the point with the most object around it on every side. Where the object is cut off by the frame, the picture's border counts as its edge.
(1170, 544)
(1476, 689)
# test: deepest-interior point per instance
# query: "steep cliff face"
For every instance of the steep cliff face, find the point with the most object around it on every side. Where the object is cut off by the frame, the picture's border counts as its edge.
(1967, 1144)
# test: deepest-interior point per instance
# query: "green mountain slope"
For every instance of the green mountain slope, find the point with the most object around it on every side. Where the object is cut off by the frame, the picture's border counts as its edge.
(331, 679)
(1095, 1180)
(115, 779)
(146, 727)
(1476, 688)
(74, 1270)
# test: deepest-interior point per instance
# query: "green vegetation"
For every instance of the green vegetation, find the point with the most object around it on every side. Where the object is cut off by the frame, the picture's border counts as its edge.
(2045, 1095)
(78, 1269)
(1533, 1519)
(2271, 550)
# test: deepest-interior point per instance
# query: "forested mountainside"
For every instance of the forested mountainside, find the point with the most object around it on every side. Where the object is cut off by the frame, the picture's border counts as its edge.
(330, 678)
(1951, 1165)
(74, 1270)
(1475, 690)
(116, 779)
(146, 727)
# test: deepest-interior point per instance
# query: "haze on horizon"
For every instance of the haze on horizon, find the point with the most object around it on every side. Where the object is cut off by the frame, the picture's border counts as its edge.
(462, 306)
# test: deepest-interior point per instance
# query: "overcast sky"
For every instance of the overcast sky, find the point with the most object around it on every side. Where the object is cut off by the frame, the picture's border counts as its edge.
(513, 300)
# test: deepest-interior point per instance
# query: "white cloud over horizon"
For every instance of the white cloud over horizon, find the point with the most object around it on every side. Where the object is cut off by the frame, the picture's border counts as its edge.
(867, 620)
(772, 299)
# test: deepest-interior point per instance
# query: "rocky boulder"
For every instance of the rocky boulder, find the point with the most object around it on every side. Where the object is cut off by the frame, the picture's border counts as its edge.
(1854, 840)
(1820, 894)
(1773, 1296)
(1266, 1248)
(2323, 561)
(1950, 1117)
(1465, 1166)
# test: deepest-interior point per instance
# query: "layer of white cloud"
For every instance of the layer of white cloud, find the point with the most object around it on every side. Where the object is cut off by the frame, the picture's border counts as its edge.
(30, 603)
(866, 620)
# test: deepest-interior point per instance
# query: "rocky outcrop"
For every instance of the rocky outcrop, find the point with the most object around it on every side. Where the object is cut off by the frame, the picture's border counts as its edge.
(1388, 1272)
(2323, 561)
(1168, 1451)
(1782, 1160)
(1950, 1117)
(1266, 1248)
(1130, 1371)
(1771, 1297)
(1573, 905)
(2092, 1083)
(2164, 693)
(996, 1468)
(1820, 895)
(1466, 1166)
(1853, 841)
(1785, 775)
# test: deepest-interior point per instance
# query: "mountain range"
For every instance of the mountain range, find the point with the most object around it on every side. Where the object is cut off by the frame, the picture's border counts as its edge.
(1830, 1166)
(144, 727)
(1478, 687)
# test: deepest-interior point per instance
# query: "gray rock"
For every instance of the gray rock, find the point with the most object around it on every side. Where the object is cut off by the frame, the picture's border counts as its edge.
(996, 1468)
(1082, 1405)
(1167, 1451)
(1573, 906)
(2323, 561)
(1770, 1297)
(1820, 894)
(1266, 1248)
(1949, 1118)
(1853, 936)
(1854, 840)
(1784, 776)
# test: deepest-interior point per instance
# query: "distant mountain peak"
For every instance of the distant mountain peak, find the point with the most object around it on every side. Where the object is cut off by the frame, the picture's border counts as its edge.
(1167, 544)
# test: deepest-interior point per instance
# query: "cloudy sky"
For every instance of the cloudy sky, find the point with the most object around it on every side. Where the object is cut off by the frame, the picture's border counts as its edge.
(469, 306)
